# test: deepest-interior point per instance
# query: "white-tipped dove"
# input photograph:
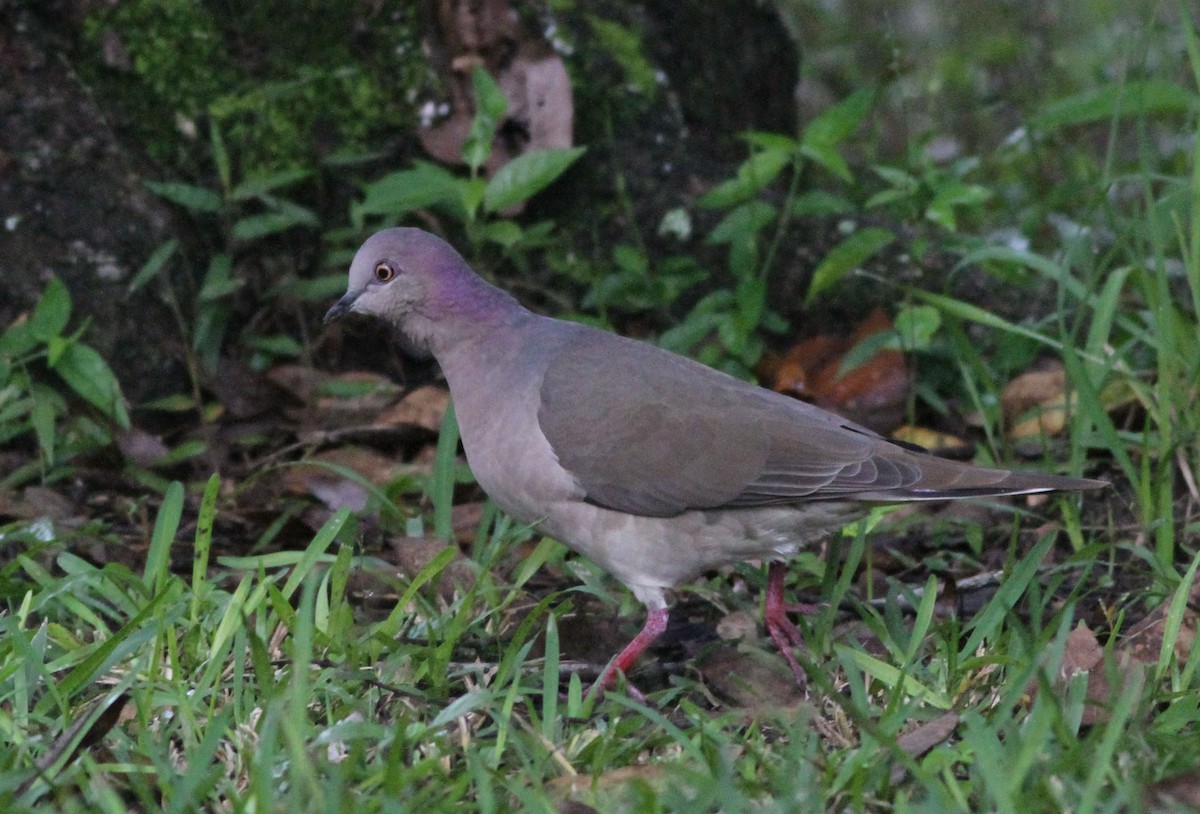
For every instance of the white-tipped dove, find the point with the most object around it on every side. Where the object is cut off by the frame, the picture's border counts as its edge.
(652, 465)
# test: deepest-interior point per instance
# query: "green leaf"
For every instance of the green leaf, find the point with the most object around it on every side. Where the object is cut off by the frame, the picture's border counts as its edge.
(835, 124)
(317, 289)
(820, 203)
(754, 174)
(86, 372)
(1132, 99)
(490, 107)
(254, 227)
(52, 311)
(526, 175)
(770, 141)
(217, 282)
(17, 340)
(824, 133)
(846, 256)
(505, 233)
(399, 193)
(42, 418)
(951, 195)
(916, 326)
(192, 198)
(220, 154)
(742, 221)
(261, 184)
(154, 265)
(275, 345)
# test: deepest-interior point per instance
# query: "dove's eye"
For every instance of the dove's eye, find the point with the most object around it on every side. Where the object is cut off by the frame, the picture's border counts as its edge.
(384, 272)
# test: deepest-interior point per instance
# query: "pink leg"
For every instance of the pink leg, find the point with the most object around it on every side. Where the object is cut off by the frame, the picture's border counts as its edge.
(785, 634)
(656, 623)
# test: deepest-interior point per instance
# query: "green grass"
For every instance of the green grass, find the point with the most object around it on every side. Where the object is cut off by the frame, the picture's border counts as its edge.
(253, 684)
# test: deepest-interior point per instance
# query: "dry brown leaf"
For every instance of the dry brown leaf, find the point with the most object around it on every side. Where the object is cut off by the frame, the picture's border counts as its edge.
(140, 447)
(412, 554)
(1144, 641)
(737, 625)
(335, 491)
(1035, 403)
(751, 678)
(423, 407)
(607, 789)
(302, 381)
(874, 393)
(796, 370)
(924, 737)
(943, 443)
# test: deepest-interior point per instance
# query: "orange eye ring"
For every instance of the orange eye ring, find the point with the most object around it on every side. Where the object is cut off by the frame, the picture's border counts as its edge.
(384, 272)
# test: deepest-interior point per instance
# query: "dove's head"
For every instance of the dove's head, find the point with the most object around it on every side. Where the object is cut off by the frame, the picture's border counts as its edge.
(421, 285)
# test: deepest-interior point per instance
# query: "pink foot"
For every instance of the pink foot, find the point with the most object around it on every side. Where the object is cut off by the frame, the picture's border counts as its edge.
(656, 623)
(775, 614)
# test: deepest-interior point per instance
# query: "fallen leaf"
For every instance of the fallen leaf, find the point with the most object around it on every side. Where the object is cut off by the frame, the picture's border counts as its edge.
(423, 407)
(794, 372)
(924, 737)
(140, 447)
(1144, 641)
(750, 677)
(313, 476)
(1035, 403)
(944, 444)
(412, 554)
(873, 393)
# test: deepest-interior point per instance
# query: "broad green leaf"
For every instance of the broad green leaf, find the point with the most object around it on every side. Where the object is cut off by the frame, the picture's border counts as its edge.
(52, 311)
(526, 175)
(254, 227)
(154, 265)
(770, 141)
(818, 203)
(399, 193)
(822, 136)
(490, 107)
(217, 280)
(86, 372)
(17, 339)
(742, 221)
(192, 198)
(505, 233)
(316, 289)
(835, 124)
(950, 195)
(846, 256)
(260, 184)
(916, 326)
(42, 418)
(755, 173)
(1132, 99)
(275, 345)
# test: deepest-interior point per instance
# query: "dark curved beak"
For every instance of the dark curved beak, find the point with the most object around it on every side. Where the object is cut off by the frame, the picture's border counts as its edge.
(341, 307)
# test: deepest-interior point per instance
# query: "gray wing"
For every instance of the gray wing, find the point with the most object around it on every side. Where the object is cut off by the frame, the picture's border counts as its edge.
(648, 432)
